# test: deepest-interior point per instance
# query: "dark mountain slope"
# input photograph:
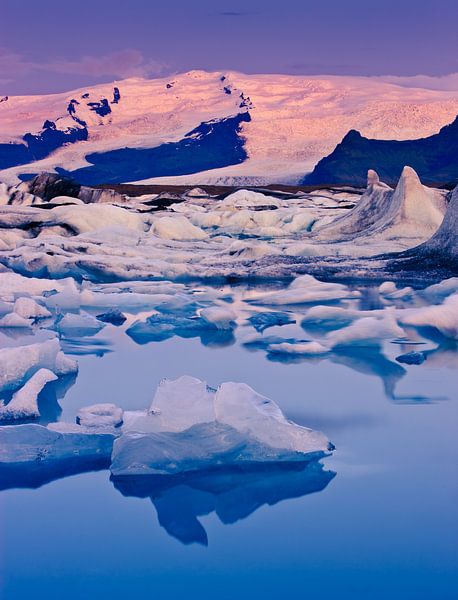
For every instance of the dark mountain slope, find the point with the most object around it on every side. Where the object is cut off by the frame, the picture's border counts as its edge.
(434, 158)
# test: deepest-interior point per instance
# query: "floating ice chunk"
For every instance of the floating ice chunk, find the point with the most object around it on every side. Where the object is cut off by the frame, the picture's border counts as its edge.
(113, 316)
(23, 404)
(18, 364)
(387, 287)
(220, 316)
(33, 446)
(159, 327)
(262, 321)
(12, 284)
(439, 291)
(368, 331)
(192, 427)
(29, 309)
(389, 291)
(66, 299)
(306, 289)
(80, 324)
(177, 228)
(330, 317)
(5, 307)
(14, 320)
(300, 348)
(100, 415)
(443, 317)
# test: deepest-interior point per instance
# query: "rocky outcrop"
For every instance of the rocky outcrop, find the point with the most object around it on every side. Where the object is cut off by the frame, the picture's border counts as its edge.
(50, 185)
(434, 158)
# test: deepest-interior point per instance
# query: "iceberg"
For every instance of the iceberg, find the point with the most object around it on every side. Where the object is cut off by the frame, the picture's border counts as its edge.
(230, 426)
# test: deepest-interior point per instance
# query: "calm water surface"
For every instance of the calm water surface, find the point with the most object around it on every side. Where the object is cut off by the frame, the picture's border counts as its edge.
(377, 520)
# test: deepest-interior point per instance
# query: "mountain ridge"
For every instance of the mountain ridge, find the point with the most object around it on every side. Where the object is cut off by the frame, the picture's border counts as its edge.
(294, 121)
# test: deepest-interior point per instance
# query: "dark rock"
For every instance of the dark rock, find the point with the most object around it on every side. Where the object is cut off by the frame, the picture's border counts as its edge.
(116, 95)
(102, 108)
(211, 145)
(49, 185)
(434, 158)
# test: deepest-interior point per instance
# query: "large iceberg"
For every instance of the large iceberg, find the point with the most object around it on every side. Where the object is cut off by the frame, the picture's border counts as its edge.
(192, 427)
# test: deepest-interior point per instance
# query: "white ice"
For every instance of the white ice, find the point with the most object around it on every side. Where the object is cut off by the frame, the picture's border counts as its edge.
(23, 404)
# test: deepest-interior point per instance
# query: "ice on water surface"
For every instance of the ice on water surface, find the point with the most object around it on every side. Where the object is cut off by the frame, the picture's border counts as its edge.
(88, 280)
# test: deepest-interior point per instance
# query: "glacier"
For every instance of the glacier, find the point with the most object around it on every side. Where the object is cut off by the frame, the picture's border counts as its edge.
(288, 123)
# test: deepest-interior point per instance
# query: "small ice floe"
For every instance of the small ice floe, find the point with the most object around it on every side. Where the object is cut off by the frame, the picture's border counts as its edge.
(439, 291)
(263, 320)
(79, 325)
(100, 415)
(443, 317)
(14, 320)
(113, 316)
(298, 348)
(190, 427)
(28, 308)
(221, 317)
(368, 331)
(18, 364)
(305, 289)
(31, 454)
(24, 404)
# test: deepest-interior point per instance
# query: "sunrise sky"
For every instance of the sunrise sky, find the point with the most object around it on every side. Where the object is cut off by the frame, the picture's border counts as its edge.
(51, 46)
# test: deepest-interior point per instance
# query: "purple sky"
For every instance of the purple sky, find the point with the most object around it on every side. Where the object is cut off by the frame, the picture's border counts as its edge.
(52, 45)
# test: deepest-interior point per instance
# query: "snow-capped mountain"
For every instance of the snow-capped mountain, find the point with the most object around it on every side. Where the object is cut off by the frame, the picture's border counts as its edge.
(208, 127)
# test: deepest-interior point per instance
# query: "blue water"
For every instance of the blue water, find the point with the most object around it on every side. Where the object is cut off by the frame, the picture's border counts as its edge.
(384, 526)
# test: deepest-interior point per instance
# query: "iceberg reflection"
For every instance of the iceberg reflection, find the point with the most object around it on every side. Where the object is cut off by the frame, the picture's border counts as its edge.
(232, 493)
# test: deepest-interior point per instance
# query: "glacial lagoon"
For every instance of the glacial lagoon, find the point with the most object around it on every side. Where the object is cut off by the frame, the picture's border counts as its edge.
(377, 517)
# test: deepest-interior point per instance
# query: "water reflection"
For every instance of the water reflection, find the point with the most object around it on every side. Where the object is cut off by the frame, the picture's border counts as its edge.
(231, 493)
(35, 474)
